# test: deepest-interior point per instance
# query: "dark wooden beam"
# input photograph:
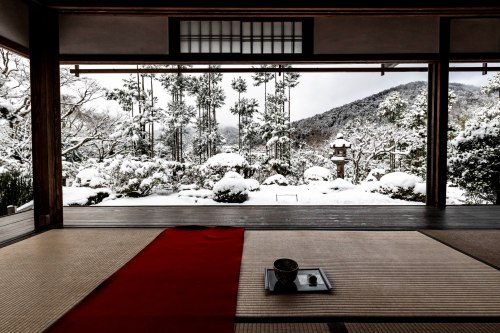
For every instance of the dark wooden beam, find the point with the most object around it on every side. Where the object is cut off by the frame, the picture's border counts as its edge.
(14, 47)
(196, 59)
(77, 70)
(244, 70)
(278, 7)
(437, 137)
(46, 117)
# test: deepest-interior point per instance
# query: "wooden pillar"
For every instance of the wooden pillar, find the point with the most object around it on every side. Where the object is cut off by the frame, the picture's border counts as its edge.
(438, 121)
(46, 117)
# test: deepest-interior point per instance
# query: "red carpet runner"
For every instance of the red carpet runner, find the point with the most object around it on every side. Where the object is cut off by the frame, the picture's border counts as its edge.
(186, 280)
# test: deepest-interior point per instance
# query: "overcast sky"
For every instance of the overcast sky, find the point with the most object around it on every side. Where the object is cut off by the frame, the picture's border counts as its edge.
(316, 92)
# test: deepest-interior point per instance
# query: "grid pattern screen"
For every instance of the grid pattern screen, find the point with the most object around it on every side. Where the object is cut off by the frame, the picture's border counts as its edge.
(276, 37)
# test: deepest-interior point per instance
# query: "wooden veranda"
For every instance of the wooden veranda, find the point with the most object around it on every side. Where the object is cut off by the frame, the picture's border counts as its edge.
(54, 32)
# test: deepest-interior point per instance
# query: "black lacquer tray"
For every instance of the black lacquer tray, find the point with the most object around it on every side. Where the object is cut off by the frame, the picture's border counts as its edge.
(301, 283)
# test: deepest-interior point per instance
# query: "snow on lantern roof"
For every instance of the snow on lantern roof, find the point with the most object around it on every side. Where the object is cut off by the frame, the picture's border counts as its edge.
(340, 142)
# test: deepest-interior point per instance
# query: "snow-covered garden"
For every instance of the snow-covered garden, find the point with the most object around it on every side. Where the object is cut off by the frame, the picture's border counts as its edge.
(219, 183)
(175, 153)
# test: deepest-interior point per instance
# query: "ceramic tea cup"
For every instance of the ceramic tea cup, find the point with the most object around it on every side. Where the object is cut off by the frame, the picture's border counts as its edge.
(286, 270)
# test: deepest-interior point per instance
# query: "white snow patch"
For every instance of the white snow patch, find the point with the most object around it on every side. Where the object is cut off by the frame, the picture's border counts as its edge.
(203, 193)
(340, 184)
(420, 188)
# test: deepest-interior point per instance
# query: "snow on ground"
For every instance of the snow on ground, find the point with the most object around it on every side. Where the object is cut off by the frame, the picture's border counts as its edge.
(454, 196)
(80, 195)
(316, 193)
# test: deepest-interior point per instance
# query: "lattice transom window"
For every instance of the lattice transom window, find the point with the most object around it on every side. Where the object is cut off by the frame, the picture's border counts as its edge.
(247, 37)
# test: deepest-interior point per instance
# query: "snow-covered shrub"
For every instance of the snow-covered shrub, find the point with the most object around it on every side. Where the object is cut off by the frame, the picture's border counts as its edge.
(135, 177)
(207, 174)
(276, 179)
(252, 184)
(279, 166)
(401, 185)
(340, 184)
(232, 190)
(316, 173)
(69, 171)
(90, 177)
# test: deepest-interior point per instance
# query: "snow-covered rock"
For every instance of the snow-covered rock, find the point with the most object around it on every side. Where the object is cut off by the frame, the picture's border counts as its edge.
(232, 190)
(276, 179)
(252, 184)
(317, 173)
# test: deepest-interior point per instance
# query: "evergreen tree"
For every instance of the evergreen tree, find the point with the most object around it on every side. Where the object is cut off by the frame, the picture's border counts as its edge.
(264, 78)
(493, 85)
(474, 162)
(240, 86)
(392, 108)
(209, 97)
(177, 115)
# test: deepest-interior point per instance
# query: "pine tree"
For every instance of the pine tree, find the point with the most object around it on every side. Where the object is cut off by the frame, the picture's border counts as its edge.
(240, 86)
(177, 115)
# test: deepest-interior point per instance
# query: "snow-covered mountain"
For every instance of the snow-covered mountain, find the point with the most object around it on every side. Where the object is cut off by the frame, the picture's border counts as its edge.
(320, 127)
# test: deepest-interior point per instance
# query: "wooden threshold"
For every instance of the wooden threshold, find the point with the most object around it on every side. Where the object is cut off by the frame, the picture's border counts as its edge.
(289, 217)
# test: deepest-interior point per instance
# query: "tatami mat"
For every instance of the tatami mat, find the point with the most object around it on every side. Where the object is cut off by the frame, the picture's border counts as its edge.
(423, 328)
(281, 328)
(44, 276)
(481, 244)
(373, 274)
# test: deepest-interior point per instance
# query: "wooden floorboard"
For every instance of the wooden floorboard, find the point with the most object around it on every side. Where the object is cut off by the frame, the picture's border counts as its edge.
(266, 218)
(289, 217)
(16, 226)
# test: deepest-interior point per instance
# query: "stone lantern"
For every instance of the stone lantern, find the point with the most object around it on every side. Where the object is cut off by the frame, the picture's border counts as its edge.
(338, 156)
